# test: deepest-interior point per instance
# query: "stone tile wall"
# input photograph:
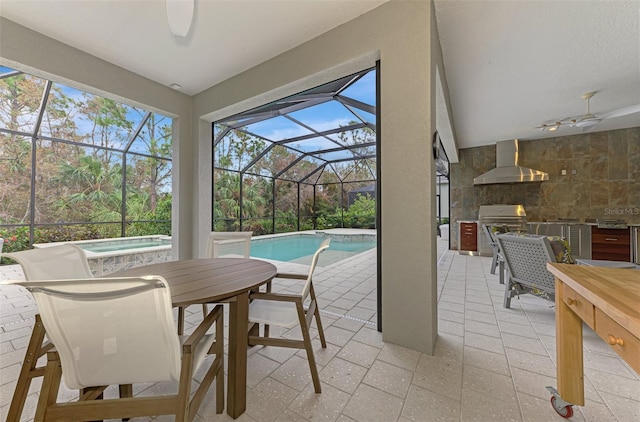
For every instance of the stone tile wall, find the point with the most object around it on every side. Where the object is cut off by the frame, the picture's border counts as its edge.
(104, 265)
(606, 183)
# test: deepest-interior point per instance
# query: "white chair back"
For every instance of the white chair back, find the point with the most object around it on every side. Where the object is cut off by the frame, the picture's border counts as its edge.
(229, 245)
(61, 261)
(110, 331)
(314, 262)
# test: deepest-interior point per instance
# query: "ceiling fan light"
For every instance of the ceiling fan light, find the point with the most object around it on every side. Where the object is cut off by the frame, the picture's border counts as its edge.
(179, 16)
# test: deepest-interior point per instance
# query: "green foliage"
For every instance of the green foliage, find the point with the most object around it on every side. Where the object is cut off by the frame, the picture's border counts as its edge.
(306, 224)
(154, 223)
(66, 233)
(259, 226)
(15, 239)
(238, 148)
(363, 206)
(226, 225)
(361, 214)
(148, 228)
(286, 221)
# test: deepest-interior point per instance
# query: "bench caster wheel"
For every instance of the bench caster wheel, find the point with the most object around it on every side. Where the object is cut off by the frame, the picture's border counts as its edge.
(565, 411)
(561, 407)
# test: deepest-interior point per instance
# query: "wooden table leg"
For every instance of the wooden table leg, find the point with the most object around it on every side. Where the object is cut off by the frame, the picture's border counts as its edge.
(568, 351)
(237, 366)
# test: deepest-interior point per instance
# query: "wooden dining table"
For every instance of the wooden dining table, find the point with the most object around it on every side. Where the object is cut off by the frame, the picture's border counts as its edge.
(229, 280)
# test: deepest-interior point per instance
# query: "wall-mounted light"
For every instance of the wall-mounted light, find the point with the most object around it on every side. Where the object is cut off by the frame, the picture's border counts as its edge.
(179, 16)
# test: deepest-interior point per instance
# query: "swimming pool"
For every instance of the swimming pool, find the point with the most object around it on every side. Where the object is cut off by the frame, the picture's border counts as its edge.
(299, 248)
(106, 256)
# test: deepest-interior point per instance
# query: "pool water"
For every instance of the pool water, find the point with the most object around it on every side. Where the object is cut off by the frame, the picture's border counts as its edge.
(300, 248)
(118, 245)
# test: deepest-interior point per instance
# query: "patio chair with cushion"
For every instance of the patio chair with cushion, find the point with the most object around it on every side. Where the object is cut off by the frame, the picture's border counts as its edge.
(65, 261)
(526, 258)
(121, 331)
(288, 310)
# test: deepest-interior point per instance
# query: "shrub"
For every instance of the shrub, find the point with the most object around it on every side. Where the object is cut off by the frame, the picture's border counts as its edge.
(66, 234)
(15, 239)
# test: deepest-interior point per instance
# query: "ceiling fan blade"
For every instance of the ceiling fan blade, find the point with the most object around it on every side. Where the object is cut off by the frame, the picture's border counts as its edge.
(624, 111)
(587, 123)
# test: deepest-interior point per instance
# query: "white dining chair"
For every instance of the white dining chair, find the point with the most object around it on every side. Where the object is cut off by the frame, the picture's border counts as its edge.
(60, 261)
(65, 261)
(287, 311)
(121, 331)
(229, 244)
(222, 245)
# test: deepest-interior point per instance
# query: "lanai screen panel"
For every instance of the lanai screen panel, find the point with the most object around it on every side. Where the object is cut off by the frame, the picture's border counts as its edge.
(361, 90)
(85, 146)
(335, 116)
(324, 136)
(273, 161)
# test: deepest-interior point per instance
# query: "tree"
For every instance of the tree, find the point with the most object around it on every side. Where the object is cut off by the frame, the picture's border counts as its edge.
(153, 173)
(94, 189)
(21, 97)
(15, 178)
(234, 153)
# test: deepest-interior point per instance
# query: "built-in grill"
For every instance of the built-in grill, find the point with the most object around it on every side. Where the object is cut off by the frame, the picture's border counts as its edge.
(512, 216)
(613, 223)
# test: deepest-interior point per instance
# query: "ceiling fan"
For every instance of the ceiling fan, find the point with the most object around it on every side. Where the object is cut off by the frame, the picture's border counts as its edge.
(587, 121)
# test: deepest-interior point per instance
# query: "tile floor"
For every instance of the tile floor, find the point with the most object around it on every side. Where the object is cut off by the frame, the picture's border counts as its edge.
(490, 363)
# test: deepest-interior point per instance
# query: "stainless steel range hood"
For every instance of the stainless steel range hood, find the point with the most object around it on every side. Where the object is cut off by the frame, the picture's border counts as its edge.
(507, 169)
